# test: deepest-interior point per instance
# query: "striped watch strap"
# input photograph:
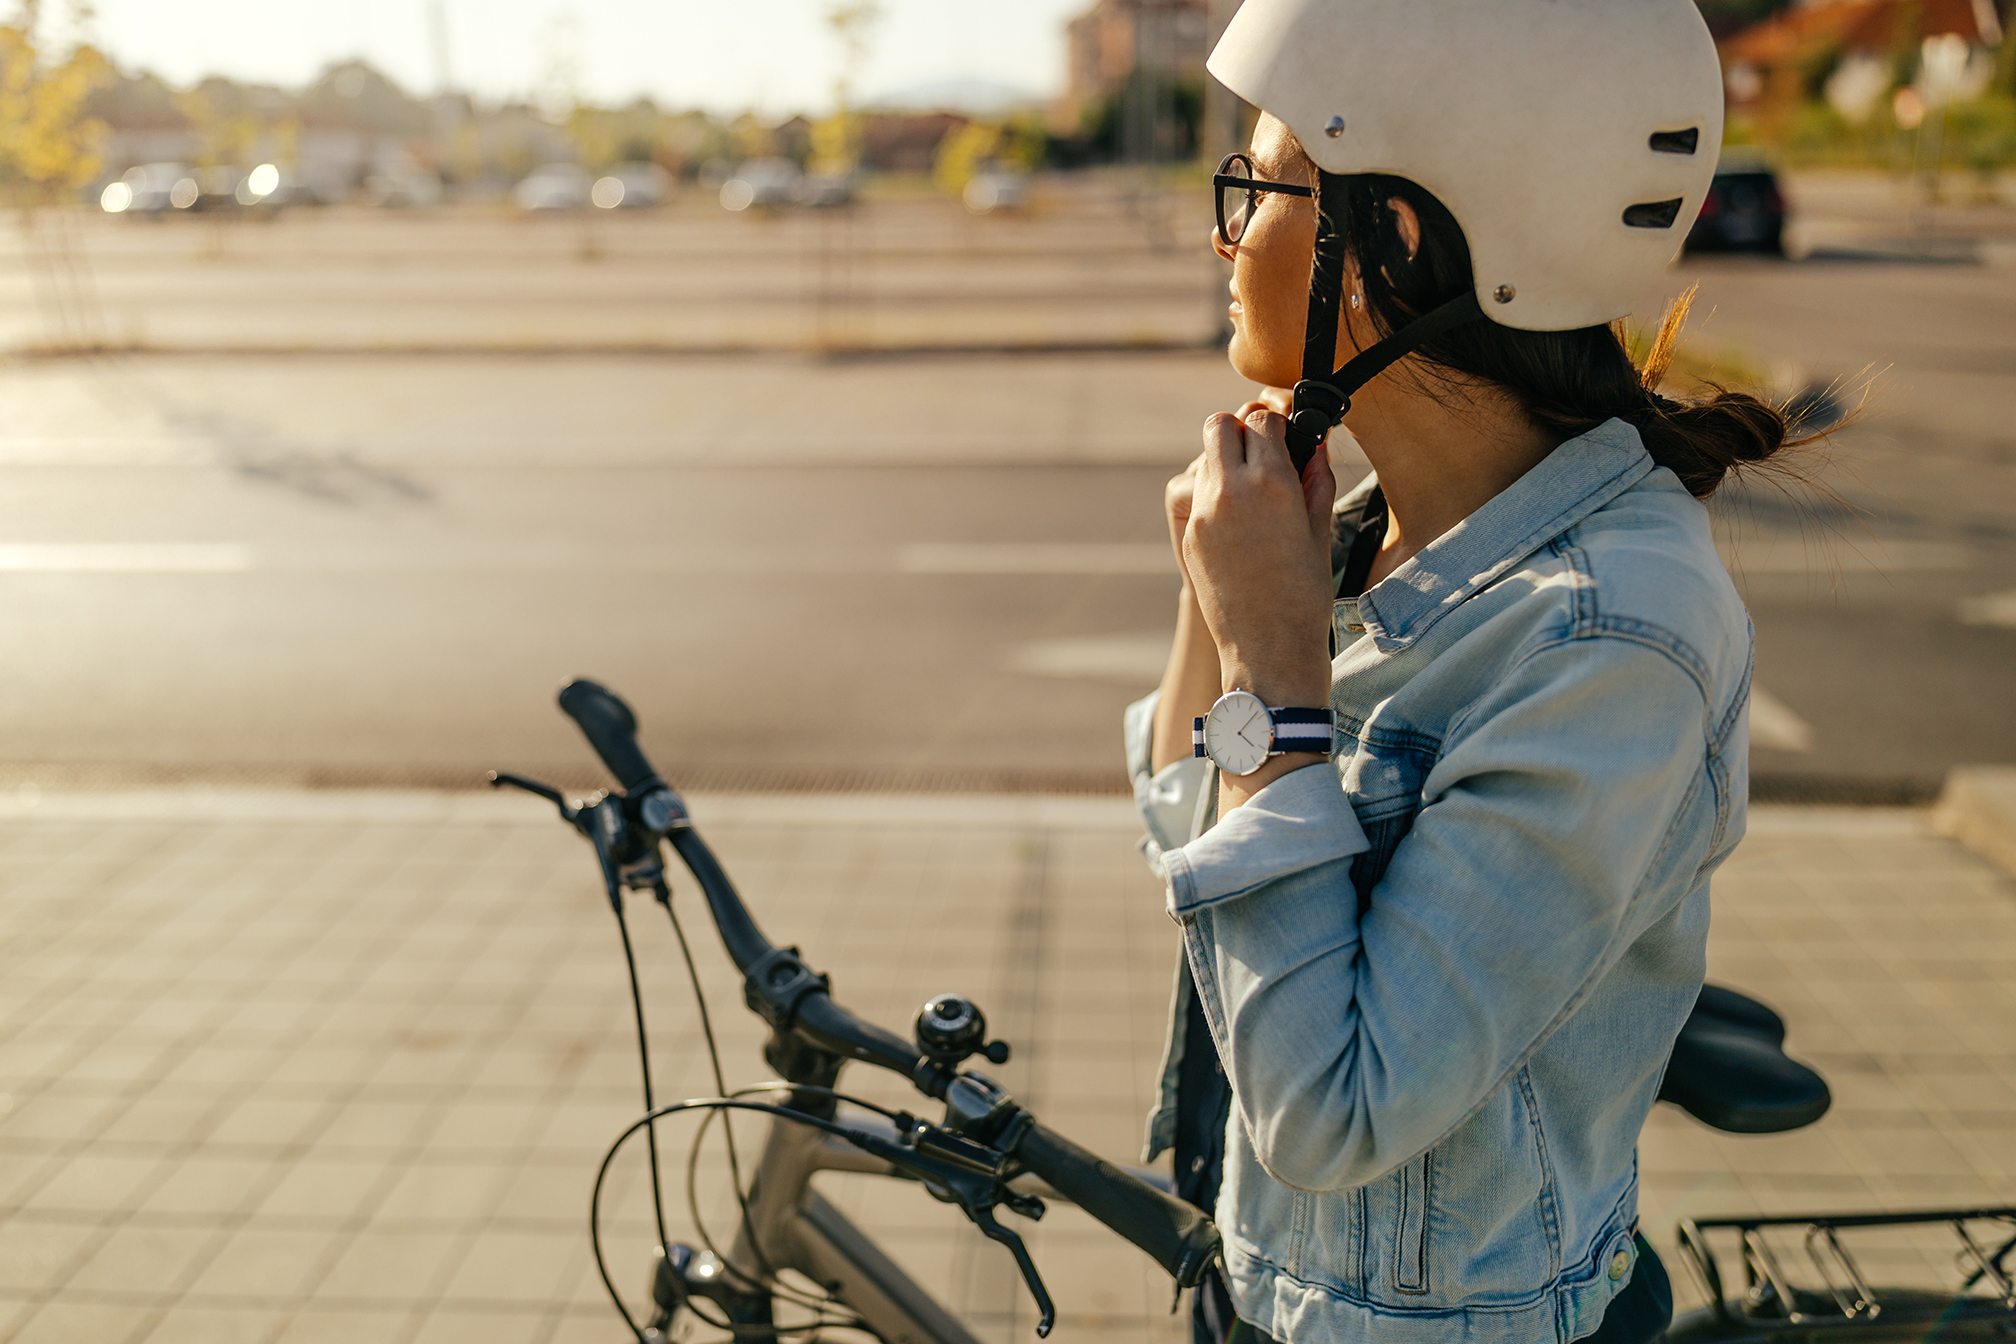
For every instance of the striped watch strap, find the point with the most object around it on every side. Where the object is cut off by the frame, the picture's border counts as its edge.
(1295, 729)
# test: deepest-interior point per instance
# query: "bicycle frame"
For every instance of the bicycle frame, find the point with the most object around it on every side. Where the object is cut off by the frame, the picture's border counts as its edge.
(791, 1226)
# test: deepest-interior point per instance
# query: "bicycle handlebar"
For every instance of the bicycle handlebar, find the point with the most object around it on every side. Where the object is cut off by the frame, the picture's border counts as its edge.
(739, 934)
(611, 729)
(1175, 1234)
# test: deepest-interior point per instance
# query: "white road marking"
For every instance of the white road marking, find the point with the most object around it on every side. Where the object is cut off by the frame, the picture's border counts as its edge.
(1037, 557)
(1989, 609)
(1134, 660)
(1773, 725)
(1835, 555)
(123, 558)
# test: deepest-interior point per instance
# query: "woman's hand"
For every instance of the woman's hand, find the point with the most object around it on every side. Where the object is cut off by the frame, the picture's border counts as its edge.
(1255, 547)
(1176, 500)
(1191, 681)
(1182, 487)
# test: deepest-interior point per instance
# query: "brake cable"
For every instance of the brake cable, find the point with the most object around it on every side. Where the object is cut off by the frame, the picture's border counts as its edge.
(663, 894)
(713, 1105)
(776, 1287)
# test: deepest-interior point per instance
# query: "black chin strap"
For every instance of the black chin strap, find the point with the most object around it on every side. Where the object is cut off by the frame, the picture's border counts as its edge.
(1323, 396)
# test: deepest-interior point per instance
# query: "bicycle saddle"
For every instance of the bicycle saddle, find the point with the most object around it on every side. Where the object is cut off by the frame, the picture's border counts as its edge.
(1729, 1072)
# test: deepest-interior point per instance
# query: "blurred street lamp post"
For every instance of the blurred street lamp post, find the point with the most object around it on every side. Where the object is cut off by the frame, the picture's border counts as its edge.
(447, 107)
(1942, 75)
(838, 155)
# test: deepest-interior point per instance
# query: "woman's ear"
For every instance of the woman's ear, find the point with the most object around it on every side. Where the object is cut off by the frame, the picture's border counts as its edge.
(1408, 223)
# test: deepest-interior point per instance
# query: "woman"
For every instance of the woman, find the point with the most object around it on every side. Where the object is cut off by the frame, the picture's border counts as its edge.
(1470, 742)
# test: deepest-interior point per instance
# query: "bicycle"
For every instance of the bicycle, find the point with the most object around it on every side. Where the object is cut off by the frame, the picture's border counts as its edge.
(1728, 1070)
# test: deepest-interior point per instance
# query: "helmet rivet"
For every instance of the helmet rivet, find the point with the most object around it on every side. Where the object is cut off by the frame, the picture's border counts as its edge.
(1334, 127)
(1504, 293)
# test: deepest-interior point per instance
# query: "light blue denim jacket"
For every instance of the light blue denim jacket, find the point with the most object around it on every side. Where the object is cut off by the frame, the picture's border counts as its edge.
(1444, 977)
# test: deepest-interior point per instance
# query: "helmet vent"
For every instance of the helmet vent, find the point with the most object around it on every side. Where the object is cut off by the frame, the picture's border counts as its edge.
(1677, 142)
(1653, 214)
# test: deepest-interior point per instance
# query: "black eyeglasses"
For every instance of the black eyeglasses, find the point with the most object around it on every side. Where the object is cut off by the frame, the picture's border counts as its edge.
(1235, 175)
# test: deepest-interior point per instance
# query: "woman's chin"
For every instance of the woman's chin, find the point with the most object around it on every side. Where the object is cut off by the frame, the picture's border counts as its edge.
(1254, 367)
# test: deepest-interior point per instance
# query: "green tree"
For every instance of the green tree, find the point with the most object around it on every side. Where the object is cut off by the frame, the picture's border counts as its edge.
(48, 146)
(48, 151)
(1154, 116)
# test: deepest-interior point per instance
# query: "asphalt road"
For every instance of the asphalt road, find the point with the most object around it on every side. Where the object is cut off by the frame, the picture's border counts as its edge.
(378, 566)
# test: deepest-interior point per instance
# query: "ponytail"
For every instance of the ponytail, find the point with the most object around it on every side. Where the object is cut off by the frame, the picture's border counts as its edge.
(1568, 382)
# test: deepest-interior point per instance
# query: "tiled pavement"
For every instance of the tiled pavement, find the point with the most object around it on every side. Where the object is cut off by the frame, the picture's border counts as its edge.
(305, 1067)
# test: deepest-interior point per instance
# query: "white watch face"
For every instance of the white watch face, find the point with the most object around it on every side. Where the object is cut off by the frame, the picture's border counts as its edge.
(1237, 733)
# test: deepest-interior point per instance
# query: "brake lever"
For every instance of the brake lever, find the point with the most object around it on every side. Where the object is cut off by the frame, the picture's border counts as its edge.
(983, 1218)
(973, 1176)
(503, 778)
(607, 826)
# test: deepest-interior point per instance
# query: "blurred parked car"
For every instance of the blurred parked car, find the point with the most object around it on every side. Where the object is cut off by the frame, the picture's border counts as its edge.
(148, 189)
(764, 184)
(556, 186)
(1743, 211)
(824, 190)
(270, 186)
(216, 189)
(402, 184)
(993, 189)
(631, 186)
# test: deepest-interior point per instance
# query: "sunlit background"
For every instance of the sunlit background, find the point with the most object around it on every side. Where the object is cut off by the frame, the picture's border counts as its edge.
(773, 56)
(809, 371)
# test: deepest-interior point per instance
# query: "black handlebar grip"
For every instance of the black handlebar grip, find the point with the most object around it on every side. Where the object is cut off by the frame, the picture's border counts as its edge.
(1176, 1235)
(611, 729)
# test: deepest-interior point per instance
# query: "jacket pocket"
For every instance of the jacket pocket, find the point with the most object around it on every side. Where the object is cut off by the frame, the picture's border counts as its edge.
(1410, 1242)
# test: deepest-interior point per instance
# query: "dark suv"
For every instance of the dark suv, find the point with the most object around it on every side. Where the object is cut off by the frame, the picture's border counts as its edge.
(1744, 211)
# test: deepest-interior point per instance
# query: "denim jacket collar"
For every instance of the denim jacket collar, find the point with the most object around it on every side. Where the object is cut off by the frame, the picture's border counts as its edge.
(1569, 484)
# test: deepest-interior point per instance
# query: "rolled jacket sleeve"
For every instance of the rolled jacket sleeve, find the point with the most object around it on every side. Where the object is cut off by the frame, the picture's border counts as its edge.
(1356, 1044)
(1300, 821)
(1174, 801)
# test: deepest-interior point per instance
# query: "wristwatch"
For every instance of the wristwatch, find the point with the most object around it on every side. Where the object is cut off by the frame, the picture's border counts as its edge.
(1241, 732)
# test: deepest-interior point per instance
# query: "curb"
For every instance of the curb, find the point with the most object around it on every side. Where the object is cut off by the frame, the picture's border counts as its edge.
(1978, 808)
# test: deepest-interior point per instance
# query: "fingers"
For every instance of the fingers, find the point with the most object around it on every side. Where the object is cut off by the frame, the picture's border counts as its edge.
(1224, 446)
(1177, 494)
(1255, 437)
(1267, 442)
(1319, 493)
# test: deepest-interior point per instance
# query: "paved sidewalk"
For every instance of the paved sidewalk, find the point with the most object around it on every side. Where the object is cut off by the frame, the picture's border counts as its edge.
(301, 1067)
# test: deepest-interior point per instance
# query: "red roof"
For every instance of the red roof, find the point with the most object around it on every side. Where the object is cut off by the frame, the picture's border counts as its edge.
(1859, 25)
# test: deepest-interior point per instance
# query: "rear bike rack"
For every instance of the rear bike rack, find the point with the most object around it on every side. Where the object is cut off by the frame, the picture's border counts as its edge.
(1844, 1301)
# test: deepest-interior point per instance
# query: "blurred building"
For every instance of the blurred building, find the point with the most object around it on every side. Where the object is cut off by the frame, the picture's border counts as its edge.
(1852, 51)
(1116, 41)
(347, 129)
(905, 142)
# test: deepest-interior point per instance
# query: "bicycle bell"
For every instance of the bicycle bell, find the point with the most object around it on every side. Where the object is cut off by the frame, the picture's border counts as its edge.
(950, 1027)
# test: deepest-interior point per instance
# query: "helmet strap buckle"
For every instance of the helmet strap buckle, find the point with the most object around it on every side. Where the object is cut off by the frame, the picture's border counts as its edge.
(1318, 408)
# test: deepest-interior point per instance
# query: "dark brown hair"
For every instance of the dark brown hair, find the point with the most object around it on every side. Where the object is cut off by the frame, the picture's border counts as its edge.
(1568, 382)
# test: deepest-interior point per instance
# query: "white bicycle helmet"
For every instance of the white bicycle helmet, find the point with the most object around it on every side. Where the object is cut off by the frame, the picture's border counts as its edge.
(1572, 140)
